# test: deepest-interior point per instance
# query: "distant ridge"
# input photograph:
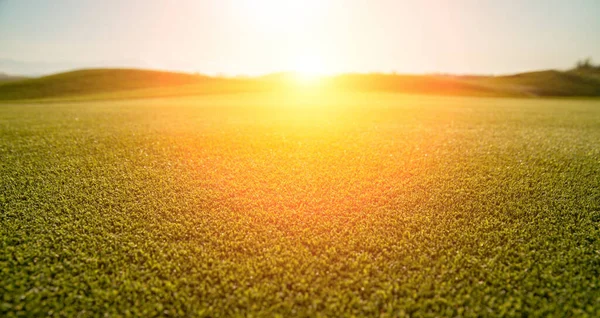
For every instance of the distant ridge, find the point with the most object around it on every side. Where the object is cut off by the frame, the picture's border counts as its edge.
(10, 78)
(93, 81)
(136, 83)
(549, 83)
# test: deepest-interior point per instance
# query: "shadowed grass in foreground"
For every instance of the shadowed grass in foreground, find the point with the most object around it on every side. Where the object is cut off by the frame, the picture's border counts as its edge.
(370, 204)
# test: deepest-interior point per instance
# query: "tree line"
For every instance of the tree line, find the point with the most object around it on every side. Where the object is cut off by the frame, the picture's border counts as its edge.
(586, 64)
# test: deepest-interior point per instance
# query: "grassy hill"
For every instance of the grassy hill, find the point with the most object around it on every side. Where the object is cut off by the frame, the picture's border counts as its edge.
(420, 84)
(548, 83)
(540, 83)
(10, 78)
(93, 81)
(131, 83)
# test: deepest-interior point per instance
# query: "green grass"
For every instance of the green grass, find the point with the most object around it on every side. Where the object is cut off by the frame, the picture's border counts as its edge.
(239, 205)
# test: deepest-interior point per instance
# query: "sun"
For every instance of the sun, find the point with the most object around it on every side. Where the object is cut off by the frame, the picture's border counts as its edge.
(309, 69)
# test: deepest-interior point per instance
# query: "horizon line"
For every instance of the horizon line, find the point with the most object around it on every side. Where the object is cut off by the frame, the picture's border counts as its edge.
(278, 73)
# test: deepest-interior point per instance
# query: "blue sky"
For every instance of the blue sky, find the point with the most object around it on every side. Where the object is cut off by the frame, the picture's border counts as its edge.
(248, 37)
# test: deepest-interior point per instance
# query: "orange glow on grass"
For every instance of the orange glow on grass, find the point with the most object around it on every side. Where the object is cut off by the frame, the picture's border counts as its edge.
(312, 157)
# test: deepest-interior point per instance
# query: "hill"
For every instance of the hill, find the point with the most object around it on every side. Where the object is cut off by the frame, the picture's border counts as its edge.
(133, 83)
(540, 83)
(10, 78)
(93, 81)
(547, 83)
(418, 84)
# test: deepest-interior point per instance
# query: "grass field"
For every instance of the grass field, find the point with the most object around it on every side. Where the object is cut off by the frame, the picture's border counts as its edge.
(367, 204)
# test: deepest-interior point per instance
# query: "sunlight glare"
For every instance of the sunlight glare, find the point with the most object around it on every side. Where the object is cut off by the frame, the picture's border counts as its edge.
(309, 69)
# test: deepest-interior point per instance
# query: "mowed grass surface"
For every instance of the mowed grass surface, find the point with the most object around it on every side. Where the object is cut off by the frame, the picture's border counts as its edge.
(366, 205)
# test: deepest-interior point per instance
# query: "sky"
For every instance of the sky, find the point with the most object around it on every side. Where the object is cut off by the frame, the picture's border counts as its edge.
(252, 37)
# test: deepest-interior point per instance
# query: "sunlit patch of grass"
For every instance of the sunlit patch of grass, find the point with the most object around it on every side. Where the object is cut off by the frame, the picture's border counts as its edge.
(301, 203)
